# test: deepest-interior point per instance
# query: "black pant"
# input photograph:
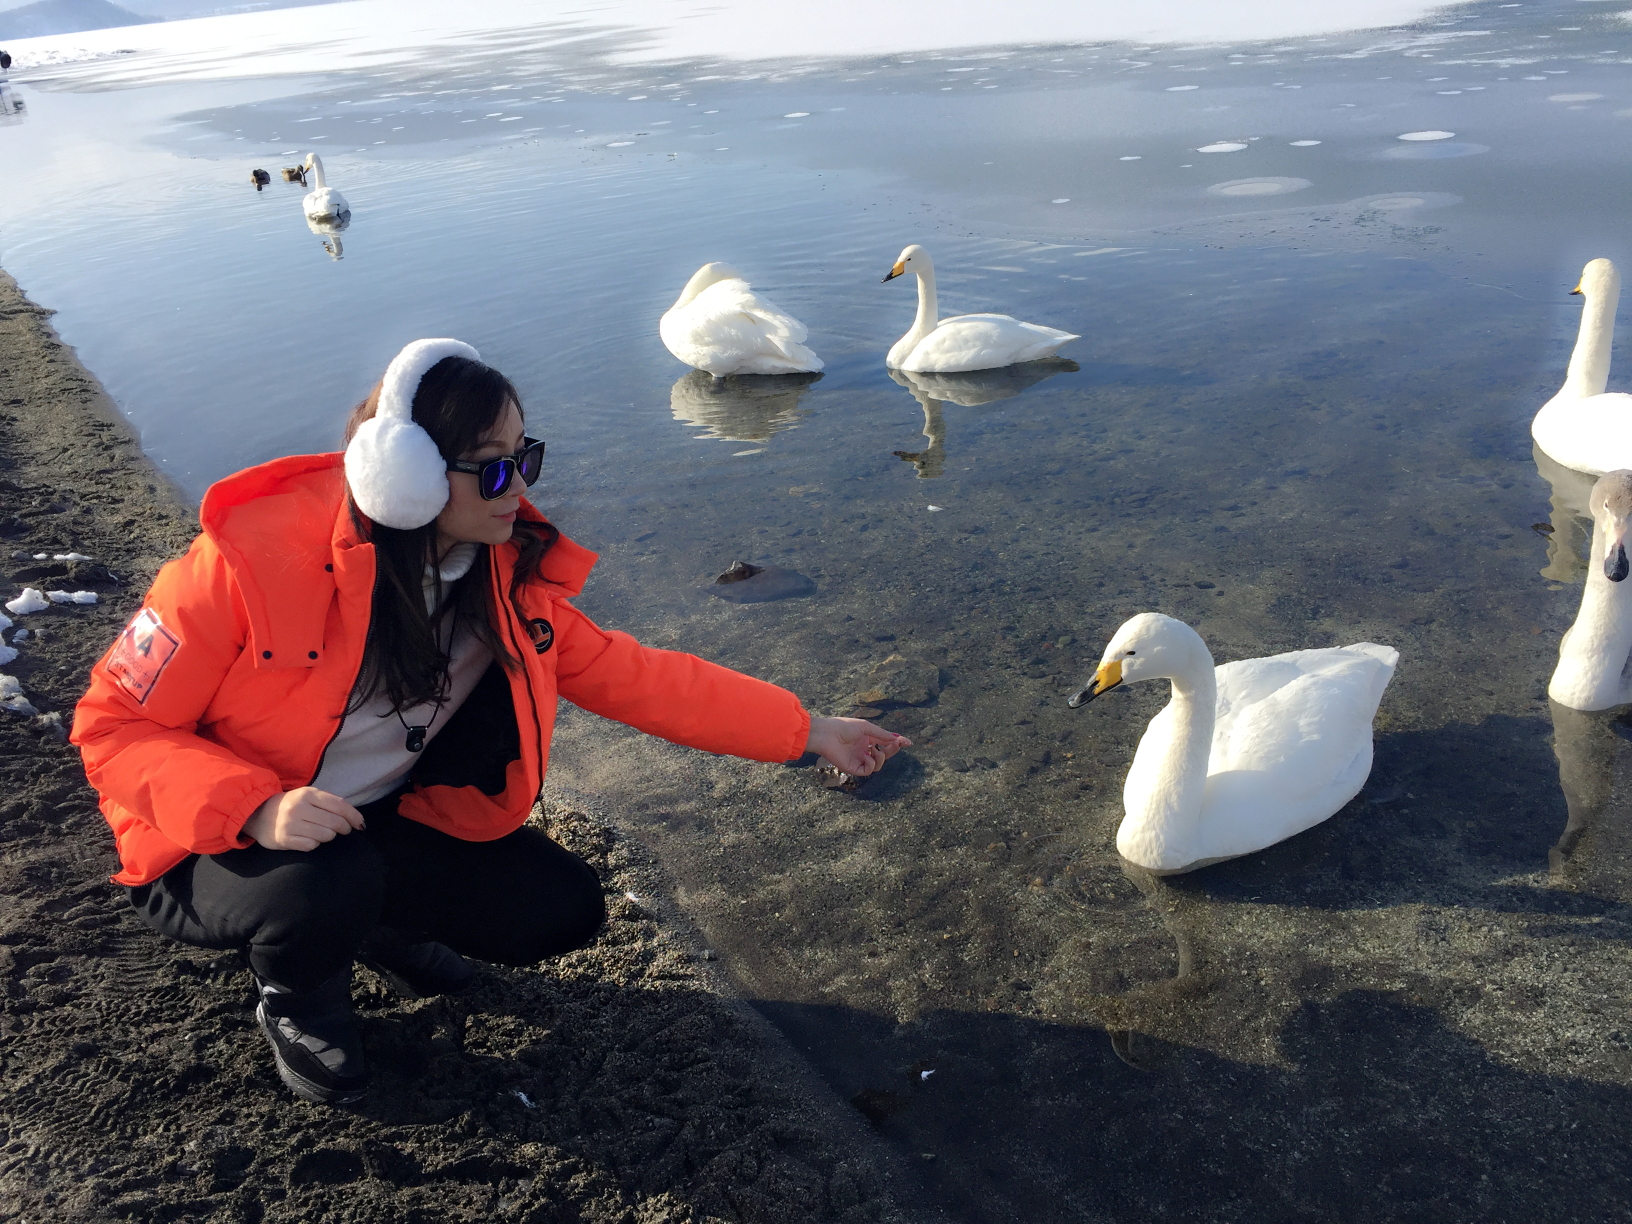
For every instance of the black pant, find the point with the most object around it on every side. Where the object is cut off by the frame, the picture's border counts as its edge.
(303, 915)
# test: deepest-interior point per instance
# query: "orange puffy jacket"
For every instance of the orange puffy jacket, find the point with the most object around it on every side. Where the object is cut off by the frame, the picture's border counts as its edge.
(229, 684)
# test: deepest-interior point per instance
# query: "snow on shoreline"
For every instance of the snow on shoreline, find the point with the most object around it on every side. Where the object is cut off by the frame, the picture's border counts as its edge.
(376, 34)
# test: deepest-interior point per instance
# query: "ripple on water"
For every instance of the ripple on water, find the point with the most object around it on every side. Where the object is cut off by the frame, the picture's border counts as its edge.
(1268, 186)
(1432, 152)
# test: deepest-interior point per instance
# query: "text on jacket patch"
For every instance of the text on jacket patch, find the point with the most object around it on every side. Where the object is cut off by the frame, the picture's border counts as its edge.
(143, 651)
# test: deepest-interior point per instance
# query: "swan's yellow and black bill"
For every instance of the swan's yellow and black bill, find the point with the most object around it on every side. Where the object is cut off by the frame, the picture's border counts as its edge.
(1105, 679)
(1577, 291)
(896, 271)
(1616, 565)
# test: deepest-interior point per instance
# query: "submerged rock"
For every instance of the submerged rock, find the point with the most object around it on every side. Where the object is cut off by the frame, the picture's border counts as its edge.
(900, 681)
(744, 583)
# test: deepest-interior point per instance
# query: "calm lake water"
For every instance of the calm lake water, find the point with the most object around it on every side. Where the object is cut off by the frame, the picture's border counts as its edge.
(1299, 417)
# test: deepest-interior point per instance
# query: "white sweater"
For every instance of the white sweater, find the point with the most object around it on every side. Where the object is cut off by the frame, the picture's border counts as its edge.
(368, 758)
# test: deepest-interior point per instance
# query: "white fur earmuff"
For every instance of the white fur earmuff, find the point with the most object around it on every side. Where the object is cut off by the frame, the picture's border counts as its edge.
(397, 476)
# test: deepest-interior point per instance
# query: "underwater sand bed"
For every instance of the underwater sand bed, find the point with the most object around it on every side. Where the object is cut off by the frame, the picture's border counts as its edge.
(1417, 971)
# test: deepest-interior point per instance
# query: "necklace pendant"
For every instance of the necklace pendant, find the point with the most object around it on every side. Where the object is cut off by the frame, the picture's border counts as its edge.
(416, 738)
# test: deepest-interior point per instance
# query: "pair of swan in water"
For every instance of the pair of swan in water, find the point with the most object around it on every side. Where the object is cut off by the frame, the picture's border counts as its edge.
(1586, 429)
(720, 325)
(1253, 752)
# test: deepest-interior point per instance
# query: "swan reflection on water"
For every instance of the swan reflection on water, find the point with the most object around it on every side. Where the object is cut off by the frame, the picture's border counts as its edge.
(740, 407)
(968, 389)
(1571, 536)
(1594, 852)
(330, 232)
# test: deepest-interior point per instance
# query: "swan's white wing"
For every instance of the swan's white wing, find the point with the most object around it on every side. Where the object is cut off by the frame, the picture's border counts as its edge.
(325, 202)
(1591, 434)
(734, 295)
(1273, 712)
(1292, 742)
(982, 342)
(730, 329)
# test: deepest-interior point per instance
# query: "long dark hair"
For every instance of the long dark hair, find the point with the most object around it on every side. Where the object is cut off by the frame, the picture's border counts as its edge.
(458, 401)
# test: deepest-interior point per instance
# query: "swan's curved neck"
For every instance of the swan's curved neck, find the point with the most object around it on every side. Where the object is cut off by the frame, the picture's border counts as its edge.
(929, 306)
(317, 171)
(1168, 781)
(928, 315)
(1589, 364)
(1593, 656)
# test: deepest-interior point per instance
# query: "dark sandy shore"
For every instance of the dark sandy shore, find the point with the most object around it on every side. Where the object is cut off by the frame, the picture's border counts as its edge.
(621, 1083)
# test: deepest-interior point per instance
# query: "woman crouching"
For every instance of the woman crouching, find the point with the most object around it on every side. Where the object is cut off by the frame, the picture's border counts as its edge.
(321, 736)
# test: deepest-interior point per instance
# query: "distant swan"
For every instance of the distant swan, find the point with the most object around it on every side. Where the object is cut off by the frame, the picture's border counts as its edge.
(1582, 427)
(963, 342)
(322, 203)
(1594, 653)
(720, 325)
(1245, 755)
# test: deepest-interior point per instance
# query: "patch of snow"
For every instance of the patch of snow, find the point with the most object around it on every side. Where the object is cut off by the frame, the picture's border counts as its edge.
(71, 597)
(29, 601)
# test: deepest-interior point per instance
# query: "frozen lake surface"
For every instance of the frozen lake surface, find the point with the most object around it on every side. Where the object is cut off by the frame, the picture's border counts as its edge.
(1321, 280)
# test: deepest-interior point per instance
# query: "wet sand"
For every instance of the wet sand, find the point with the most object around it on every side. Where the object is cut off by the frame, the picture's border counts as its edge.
(621, 1083)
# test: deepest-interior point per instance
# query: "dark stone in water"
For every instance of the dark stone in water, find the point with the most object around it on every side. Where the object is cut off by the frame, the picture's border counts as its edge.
(744, 583)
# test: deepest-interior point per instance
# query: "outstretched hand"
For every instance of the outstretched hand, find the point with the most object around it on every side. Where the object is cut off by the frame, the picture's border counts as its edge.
(853, 745)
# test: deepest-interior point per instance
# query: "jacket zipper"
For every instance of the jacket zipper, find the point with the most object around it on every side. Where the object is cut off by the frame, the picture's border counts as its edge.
(352, 687)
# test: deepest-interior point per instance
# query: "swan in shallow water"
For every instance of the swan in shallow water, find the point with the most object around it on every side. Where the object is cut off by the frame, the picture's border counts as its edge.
(1595, 652)
(720, 325)
(1246, 754)
(963, 342)
(322, 203)
(1583, 427)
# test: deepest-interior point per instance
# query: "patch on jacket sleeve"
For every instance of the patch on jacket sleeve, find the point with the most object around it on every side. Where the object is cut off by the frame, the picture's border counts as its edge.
(142, 653)
(542, 633)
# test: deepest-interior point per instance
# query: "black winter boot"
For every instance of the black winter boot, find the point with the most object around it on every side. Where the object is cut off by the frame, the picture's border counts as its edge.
(415, 970)
(315, 1040)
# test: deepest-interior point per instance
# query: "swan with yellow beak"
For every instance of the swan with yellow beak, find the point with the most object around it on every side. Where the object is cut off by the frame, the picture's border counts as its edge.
(1246, 754)
(962, 342)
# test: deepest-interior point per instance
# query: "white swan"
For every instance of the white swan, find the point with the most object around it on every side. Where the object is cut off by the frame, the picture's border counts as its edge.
(1593, 656)
(1246, 754)
(1582, 427)
(323, 203)
(963, 342)
(720, 325)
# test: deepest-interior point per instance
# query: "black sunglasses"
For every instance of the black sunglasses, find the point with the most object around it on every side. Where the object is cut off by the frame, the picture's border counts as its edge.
(493, 476)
